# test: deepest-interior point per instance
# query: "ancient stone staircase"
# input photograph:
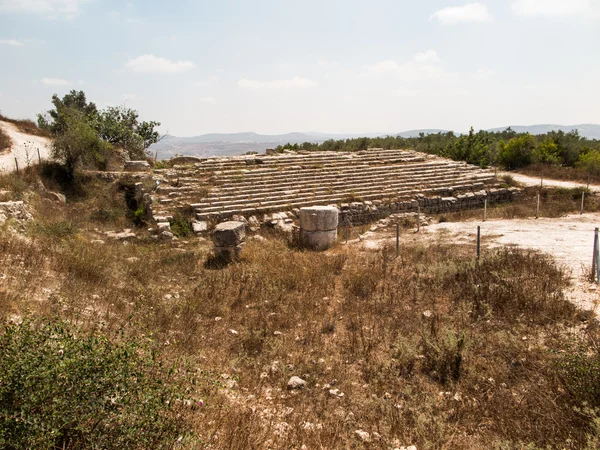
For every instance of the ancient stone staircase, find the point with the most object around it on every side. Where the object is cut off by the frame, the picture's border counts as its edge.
(218, 188)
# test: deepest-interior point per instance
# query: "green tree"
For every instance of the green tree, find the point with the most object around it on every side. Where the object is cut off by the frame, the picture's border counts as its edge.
(546, 153)
(517, 152)
(79, 143)
(590, 162)
(56, 119)
(121, 126)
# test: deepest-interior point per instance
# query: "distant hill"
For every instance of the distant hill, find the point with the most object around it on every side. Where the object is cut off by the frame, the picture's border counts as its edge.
(590, 131)
(227, 144)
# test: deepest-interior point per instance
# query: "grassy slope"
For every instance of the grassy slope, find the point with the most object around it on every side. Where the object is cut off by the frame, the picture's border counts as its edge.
(429, 349)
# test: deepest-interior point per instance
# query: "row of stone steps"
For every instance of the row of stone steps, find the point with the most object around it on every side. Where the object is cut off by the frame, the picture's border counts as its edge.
(257, 184)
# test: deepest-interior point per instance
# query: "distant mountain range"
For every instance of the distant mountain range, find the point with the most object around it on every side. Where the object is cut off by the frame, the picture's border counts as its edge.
(227, 144)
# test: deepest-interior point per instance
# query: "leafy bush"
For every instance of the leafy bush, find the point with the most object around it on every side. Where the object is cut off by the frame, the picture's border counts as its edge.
(181, 226)
(581, 375)
(61, 388)
(79, 144)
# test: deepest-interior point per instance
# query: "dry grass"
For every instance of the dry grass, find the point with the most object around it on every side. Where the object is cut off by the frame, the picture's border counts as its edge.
(5, 141)
(429, 349)
(26, 126)
(554, 202)
(560, 173)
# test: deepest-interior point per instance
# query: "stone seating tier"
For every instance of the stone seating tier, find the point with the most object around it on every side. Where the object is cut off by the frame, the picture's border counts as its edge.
(217, 188)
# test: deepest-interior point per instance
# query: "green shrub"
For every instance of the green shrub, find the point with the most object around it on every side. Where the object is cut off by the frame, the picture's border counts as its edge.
(139, 216)
(181, 226)
(581, 375)
(61, 388)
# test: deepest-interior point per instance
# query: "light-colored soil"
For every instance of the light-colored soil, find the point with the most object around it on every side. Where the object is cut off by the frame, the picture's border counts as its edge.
(535, 181)
(568, 239)
(25, 148)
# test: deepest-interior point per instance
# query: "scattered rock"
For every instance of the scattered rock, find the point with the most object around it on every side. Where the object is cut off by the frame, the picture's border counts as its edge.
(253, 223)
(163, 226)
(136, 166)
(199, 226)
(97, 241)
(363, 435)
(125, 235)
(258, 238)
(166, 236)
(296, 383)
(55, 197)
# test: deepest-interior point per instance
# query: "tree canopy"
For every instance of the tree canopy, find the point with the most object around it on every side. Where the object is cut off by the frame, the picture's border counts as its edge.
(116, 125)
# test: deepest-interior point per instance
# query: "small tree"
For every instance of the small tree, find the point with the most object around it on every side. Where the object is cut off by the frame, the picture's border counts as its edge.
(120, 126)
(590, 162)
(517, 152)
(79, 143)
(546, 154)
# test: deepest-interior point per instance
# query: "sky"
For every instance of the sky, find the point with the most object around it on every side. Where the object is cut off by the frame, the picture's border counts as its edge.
(277, 66)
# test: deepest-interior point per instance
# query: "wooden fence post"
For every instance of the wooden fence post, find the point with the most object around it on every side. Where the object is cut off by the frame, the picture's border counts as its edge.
(485, 210)
(594, 256)
(478, 242)
(537, 208)
(397, 240)
(582, 200)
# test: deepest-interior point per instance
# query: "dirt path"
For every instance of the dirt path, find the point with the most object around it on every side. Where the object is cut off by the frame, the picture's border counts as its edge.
(25, 148)
(535, 181)
(568, 239)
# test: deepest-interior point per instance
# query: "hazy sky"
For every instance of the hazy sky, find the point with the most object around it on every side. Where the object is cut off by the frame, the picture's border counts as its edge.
(275, 66)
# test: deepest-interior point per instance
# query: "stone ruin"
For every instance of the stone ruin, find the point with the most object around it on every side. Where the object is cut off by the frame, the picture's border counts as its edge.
(228, 240)
(318, 227)
(364, 186)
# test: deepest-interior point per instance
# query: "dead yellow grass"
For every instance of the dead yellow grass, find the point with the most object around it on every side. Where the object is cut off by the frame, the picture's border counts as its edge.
(430, 349)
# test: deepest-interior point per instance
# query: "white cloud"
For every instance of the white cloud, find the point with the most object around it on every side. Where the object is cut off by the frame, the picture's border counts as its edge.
(408, 71)
(153, 64)
(429, 56)
(134, 20)
(296, 82)
(405, 92)
(206, 82)
(55, 82)
(67, 9)
(12, 42)
(471, 12)
(207, 100)
(551, 7)
(386, 66)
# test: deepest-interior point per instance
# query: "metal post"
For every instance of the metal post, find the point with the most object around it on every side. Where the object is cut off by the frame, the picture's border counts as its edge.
(17, 164)
(39, 157)
(397, 240)
(598, 263)
(347, 229)
(478, 241)
(594, 256)
(418, 217)
(485, 210)
(582, 199)
(537, 208)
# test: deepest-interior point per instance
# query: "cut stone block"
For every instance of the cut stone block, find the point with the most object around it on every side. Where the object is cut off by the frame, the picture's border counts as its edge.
(229, 234)
(318, 240)
(319, 218)
(199, 226)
